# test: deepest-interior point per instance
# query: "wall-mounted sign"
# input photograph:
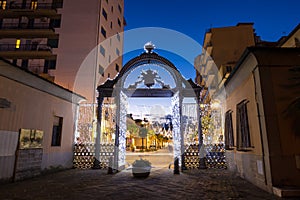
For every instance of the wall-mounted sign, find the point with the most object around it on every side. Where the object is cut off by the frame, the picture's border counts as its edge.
(30, 138)
(4, 103)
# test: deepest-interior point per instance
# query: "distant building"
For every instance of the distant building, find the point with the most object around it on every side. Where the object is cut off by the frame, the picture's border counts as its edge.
(45, 110)
(222, 47)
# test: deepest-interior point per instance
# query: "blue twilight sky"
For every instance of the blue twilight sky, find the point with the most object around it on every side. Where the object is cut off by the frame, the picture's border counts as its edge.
(191, 18)
(272, 19)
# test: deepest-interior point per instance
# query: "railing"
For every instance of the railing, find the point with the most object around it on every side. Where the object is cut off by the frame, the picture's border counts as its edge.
(13, 6)
(25, 47)
(26, 26)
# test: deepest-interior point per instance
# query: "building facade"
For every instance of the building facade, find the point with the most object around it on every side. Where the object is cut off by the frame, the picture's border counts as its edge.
(31, 103)
(222, 47)
(53, 38)
(261, 133)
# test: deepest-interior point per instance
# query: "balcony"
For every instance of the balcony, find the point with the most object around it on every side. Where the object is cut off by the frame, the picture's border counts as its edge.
(39, 9)
(22, 30)
(32, 6)
(25, 51)
(23, 26)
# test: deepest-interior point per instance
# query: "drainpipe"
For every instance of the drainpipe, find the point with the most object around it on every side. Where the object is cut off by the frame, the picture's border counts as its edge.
(259, 122)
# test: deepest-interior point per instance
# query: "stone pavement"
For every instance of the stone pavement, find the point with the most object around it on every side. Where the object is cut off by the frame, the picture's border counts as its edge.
(161, 184)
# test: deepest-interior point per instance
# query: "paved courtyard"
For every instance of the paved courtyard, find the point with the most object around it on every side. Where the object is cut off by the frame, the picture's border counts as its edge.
(161, 184)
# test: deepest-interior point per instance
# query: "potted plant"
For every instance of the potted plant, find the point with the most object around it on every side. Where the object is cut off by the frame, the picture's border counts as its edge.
(141, 168)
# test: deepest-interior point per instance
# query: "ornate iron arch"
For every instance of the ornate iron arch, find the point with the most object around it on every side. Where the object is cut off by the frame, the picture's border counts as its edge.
(114, 88)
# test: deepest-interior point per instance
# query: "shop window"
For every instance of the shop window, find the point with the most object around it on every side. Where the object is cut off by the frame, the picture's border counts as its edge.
(57, 131)
(242, 126)
(229, 140)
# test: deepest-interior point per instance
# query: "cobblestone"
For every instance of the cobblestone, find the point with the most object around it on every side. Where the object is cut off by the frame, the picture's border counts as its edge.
(161, 184)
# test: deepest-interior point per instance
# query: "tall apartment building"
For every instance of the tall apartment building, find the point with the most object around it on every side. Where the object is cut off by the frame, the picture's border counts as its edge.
(52, 38)
(78, 44)
(222, 47)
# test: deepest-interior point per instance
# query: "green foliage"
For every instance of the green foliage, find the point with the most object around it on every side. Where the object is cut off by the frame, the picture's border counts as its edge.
(133, 129)
(143, 132)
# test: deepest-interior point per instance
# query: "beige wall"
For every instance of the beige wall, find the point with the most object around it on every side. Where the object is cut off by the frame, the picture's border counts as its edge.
(290, 42)
(249, 165)
(33, 108)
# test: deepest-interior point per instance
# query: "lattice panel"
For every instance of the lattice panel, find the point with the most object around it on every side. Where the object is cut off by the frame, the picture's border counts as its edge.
(191, 157)
(84, 155)
(106, 151)
(215, 158)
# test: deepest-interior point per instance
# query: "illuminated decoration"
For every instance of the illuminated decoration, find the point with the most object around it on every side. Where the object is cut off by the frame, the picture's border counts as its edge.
(123, 128)
(176, 126)
(149, 84)
(149, 47)
(149, 78)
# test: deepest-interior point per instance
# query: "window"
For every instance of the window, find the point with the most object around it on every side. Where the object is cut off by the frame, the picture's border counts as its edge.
(101, 70)
(120, 9)
(18, 43)
(297, 42)
(109, 59)
(119, 22)
(118, 36)
(111, 25)
(112, 9)
(3, 4)
(108, 75)
(55, 23)
(57, 131)
(117, 52)
(102, 50)
(52, 43)
(57, 3)
(50, 64)
(229, 142)
(242, 126)
(117, 68)
(33, 5)
(103, 31)
(104, 13)
(24, 64)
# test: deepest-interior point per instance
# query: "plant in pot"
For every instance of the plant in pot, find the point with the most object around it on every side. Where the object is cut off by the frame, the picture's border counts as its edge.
(141, 168)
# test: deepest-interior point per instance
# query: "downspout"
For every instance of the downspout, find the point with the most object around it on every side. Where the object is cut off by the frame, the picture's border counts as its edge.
(259, 123)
